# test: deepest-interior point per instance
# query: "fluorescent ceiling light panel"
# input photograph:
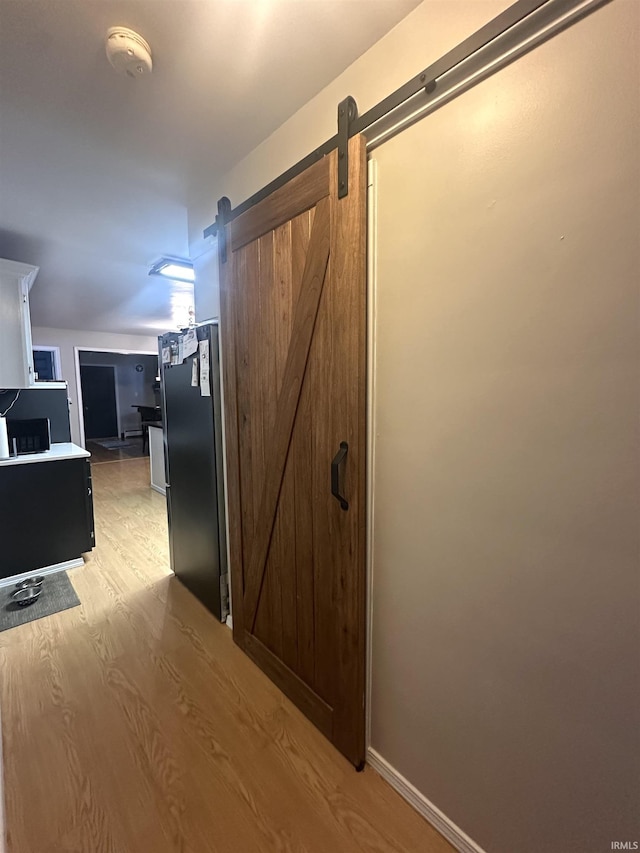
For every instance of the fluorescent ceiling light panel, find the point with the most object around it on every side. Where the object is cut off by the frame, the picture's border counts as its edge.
(175, 269)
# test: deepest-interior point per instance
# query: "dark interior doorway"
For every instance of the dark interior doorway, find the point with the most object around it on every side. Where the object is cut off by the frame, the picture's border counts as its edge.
(99, 407)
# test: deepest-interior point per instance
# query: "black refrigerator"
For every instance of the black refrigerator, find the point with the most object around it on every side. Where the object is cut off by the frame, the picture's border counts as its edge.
(192, 426)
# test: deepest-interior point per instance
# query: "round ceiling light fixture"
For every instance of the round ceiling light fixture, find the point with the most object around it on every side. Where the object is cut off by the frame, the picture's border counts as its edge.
(128, 52)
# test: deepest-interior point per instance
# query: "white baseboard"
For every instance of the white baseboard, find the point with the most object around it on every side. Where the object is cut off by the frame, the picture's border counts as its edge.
(229, 621)
(446, 827)
(48, 570)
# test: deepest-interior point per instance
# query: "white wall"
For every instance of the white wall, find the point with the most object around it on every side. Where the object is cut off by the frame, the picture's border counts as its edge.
(422, 37)
(506, 638)
(430, 30)
(67, 339)
(207, 290)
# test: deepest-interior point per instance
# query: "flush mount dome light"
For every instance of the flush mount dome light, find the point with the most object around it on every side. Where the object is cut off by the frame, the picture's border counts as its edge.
(177, 269)
(128, 52)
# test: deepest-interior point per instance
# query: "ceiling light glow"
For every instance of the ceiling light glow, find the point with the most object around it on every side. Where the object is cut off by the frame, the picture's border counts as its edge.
(175, 269)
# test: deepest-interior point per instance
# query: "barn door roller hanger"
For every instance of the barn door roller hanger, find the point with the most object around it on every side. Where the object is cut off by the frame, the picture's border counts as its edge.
(349, 124)
(347, 114)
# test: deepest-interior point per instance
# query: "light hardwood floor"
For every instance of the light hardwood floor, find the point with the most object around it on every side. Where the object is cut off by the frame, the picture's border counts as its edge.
(132, 450)
(132, 724)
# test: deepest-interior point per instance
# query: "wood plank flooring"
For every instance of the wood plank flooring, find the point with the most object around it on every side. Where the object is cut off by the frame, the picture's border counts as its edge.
(133, 450)
(132, 724)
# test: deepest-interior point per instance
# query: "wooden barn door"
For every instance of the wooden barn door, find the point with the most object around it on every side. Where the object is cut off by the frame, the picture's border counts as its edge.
(293, 341)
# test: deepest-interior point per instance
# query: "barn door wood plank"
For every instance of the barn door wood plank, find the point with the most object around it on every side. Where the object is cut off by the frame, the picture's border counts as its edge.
(346, 315)
(282, 556)
(301, 454)
(264, 370)
(320, 714)
(302, 193)
(301, 337)
(246, 306)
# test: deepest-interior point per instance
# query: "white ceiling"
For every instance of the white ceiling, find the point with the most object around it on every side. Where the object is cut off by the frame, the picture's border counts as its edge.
(95, 168)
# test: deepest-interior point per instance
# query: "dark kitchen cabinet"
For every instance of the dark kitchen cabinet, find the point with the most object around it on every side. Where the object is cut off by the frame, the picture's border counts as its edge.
(46, 514)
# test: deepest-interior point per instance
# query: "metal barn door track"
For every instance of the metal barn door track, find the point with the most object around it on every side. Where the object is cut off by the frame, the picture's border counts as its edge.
(520, 28)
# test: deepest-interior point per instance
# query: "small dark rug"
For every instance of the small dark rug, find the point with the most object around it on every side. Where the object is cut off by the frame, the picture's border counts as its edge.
(113, 443)
(57, 594)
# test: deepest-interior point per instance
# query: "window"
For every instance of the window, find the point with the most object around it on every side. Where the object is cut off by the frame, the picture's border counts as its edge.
(46, 364)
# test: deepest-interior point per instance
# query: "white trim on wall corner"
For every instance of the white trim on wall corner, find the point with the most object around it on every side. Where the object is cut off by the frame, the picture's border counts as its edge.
(372, 231)
(76, 367)
(446, 827)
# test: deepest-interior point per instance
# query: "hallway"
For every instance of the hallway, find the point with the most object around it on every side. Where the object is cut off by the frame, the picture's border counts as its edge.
(123, 450)
(133, 724)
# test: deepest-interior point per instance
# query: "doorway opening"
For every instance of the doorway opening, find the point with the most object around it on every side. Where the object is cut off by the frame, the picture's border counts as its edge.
(99, 401)
(119, 394)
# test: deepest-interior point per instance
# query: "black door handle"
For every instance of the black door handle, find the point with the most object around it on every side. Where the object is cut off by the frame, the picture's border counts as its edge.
(335, 475)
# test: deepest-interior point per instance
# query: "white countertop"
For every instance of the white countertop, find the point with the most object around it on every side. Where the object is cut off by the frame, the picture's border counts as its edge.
(58, 452)
(48, 384)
